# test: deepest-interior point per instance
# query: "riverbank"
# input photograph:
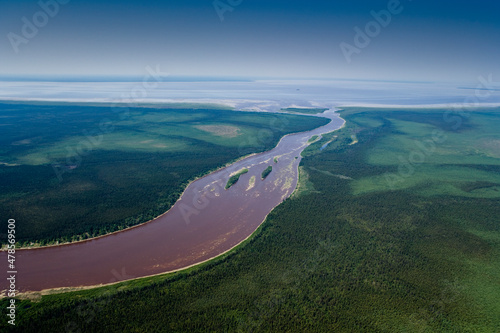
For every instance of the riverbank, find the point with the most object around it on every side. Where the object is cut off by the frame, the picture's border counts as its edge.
(208, 173)
(253, 233)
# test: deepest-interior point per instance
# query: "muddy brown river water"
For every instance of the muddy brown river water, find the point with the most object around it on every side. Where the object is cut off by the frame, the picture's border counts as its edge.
(205, 222)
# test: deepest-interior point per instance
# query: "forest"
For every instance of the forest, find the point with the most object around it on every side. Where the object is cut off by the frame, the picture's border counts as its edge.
(348, 252)
(266, 172)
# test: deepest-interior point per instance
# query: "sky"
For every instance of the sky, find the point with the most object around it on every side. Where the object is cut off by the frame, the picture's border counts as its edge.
(413, 40)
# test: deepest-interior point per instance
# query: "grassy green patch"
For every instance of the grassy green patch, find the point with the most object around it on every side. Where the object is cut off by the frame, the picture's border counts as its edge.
(432, 159)
(266, 172)
(304, 185)
(312, 139)
(234, 178)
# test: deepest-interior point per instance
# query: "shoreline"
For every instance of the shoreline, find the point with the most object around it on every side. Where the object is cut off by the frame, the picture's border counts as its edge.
(227, 104)
(61, 290)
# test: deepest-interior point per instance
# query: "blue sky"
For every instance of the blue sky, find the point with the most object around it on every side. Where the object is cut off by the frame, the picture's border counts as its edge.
(425, 40)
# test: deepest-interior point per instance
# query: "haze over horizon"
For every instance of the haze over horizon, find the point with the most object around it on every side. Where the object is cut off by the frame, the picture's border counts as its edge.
(421, 40)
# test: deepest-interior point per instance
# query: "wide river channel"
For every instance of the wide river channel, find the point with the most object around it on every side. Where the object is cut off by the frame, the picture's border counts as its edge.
(205, 222)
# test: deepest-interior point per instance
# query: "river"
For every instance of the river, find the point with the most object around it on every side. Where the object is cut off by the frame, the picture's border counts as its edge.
(205, 222)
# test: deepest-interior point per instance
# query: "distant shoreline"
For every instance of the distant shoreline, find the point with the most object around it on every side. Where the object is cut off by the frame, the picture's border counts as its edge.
(219, 103)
